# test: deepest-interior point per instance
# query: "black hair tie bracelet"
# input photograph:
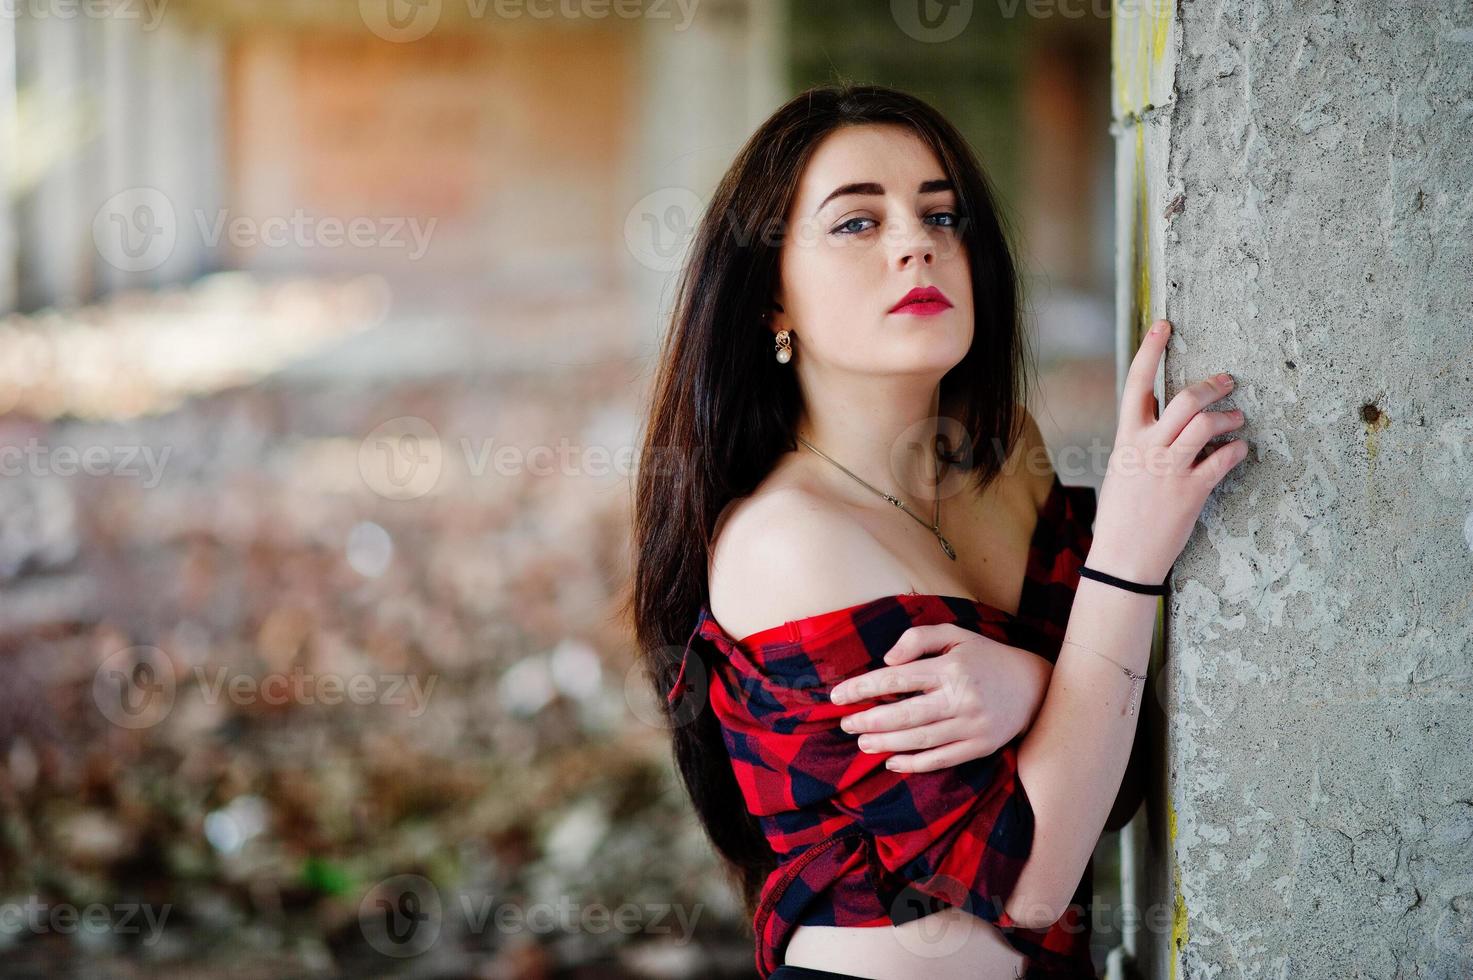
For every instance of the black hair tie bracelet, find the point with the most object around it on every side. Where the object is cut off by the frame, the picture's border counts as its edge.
(1126, 584)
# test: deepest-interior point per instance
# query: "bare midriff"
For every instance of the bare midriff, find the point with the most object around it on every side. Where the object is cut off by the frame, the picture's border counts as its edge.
(946, 945)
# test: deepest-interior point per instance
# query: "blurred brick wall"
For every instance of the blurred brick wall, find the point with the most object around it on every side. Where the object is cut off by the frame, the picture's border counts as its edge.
(508, 141)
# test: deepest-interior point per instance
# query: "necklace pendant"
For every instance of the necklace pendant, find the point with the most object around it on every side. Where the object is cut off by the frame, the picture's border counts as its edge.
(946, 547)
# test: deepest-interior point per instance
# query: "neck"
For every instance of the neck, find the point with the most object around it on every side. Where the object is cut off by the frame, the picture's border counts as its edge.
(882, 429)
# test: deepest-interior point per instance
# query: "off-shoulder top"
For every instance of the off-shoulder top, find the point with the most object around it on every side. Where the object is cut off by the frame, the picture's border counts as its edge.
(856, 843)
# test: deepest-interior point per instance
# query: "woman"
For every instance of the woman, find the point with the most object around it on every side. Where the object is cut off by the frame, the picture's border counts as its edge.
(909, 757)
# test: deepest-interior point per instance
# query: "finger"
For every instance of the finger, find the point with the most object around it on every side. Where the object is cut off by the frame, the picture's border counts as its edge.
(1140, 379)
(921, 640)
(1204, 426)
(919, 710)
(939, 758)
(885, 680)
(1216, 464)
(915, 739)
(1187, 403)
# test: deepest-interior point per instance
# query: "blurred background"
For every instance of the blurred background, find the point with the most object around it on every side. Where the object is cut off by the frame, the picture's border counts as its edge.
(324, 329)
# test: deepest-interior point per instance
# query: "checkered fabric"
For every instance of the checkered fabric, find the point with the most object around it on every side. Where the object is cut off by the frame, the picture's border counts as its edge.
(858, 844)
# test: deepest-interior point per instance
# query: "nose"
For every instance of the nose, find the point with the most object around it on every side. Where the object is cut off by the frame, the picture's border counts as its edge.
(916, 247)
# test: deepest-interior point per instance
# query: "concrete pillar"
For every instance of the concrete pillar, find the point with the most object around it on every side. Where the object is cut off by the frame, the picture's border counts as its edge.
(183, 139)
(160, 125)
(9, 238)
(118, 47)
(707, 83)
(1293, 184)
(51, 223)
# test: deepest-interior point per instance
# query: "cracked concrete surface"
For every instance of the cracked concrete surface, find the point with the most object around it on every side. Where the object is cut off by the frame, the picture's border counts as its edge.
(1294, 190)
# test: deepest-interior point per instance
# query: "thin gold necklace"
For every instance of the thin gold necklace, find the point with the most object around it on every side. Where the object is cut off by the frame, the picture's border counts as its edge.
(934, 526)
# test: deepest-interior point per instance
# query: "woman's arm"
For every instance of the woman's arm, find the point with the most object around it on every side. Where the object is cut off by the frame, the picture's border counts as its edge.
(1133, 787)
(1071, 762)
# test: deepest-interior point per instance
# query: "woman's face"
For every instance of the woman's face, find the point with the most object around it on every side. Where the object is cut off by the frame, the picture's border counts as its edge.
(875, 217)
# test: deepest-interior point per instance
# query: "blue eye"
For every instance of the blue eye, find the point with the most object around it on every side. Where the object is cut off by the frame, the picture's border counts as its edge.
(952, 219)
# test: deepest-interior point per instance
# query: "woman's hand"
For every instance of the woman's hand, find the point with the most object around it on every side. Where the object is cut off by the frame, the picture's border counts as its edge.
(1155, 486)
(973, 697)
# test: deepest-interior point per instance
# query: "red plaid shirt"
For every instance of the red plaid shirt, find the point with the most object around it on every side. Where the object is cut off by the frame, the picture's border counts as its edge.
(858, 844)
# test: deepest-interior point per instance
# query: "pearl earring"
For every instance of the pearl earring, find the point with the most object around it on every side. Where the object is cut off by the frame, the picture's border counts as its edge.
(784, 347)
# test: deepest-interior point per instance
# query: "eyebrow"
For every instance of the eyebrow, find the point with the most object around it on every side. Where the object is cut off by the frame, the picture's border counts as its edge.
(870, 187)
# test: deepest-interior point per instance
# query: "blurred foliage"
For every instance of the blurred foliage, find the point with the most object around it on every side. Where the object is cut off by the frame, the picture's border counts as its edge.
(495, 748)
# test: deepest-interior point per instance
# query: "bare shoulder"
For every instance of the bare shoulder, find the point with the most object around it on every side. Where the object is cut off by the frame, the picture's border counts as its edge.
(788, 552)
(1032, 466)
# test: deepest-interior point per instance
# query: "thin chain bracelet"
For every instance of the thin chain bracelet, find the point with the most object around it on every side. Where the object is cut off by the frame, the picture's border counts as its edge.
(1135, 692)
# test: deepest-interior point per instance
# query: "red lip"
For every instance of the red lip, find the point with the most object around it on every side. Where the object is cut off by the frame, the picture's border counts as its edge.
(927, 299)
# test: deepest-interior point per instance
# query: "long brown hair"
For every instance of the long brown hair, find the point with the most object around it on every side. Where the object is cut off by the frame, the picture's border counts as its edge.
(723, 410)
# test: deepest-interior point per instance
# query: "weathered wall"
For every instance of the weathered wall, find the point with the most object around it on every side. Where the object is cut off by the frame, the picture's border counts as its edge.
(1294, 182)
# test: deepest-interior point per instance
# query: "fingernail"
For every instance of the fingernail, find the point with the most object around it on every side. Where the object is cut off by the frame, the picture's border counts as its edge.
(1225, 379)
(1159, 326)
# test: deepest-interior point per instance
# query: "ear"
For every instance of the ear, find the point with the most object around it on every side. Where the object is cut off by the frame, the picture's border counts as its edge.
(772, 316)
